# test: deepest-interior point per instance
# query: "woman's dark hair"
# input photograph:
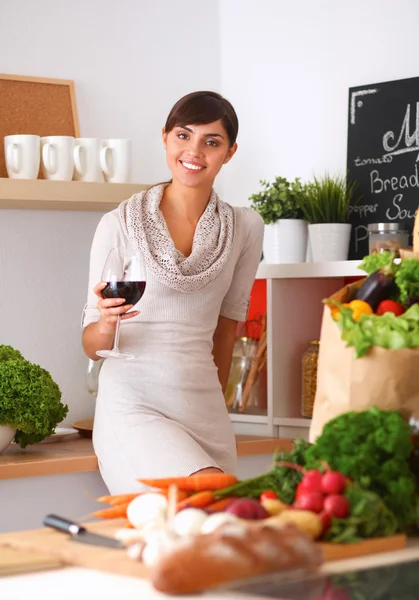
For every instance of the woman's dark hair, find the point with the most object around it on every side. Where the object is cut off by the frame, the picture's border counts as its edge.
(200, 108)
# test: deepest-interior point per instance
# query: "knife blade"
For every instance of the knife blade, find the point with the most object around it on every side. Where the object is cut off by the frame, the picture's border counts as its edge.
(79, 533)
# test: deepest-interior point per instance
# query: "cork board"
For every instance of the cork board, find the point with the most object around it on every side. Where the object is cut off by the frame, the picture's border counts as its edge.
(38, 106)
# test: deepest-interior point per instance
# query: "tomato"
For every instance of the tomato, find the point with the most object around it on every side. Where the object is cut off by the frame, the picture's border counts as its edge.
(390, 306)
(268, 495)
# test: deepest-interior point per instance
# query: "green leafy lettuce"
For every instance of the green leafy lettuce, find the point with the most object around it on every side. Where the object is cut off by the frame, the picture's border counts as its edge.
(30, 400)
(407, 280)
(386, 331)
(375, 261)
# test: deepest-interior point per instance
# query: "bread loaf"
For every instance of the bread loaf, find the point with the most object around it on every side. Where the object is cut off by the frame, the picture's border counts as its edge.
(233, 551)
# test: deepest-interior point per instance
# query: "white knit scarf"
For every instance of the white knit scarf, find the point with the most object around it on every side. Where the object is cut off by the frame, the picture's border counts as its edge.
(148, 233)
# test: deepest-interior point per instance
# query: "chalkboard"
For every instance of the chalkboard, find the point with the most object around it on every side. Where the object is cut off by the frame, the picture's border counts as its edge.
(383, 155)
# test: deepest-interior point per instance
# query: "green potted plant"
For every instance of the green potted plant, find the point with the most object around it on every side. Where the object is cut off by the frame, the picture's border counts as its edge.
(30, 400)
(286, 232)
(325, 204)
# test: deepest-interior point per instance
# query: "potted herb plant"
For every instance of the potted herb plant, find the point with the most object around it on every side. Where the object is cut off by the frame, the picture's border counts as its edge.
(30, 400)
(286, 231)
(325, 203)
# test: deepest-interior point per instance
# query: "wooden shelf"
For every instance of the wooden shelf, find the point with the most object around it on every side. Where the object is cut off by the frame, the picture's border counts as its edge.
(291, 422)
(310, 270)
(64, 195)
(244, 418)
(76, 455)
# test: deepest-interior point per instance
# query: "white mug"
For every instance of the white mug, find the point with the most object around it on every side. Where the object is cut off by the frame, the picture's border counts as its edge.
(23, 156)
(86, 160)
(115, 160)
(57, 157)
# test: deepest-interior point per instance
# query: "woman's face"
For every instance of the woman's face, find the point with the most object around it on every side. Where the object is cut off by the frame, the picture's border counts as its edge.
(196, 153)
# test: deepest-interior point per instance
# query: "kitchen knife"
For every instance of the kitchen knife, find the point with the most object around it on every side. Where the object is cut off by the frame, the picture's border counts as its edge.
(79, 533)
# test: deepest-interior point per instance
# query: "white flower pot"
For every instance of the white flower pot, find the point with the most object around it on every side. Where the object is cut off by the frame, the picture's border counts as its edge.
(329, 241)
(7, 434)
(285, 241)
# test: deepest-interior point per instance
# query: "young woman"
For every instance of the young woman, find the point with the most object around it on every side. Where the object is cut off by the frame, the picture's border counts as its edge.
(163, 413)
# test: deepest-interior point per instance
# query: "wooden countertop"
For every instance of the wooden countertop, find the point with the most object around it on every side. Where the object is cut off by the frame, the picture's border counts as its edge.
(76, 455)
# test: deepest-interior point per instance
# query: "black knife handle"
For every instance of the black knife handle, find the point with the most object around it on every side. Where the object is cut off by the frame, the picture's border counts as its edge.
(63, 524)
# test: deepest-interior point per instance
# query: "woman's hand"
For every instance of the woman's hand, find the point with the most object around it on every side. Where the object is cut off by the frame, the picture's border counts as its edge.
(110, 308)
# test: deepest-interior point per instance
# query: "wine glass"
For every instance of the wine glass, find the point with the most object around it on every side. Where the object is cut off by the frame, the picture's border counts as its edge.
(125, 275)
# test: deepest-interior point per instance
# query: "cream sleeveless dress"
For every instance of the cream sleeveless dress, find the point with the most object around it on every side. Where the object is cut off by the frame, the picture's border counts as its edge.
(163, 414)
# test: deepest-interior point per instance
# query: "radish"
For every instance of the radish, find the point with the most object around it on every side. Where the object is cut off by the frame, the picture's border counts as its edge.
(246, 508)
(337, 506)
(312, 501)
(312, 482)
(326, 520)
(333, 482)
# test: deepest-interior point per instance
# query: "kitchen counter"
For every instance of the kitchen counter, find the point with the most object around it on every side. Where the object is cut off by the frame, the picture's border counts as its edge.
(76, 456)
(67, 583)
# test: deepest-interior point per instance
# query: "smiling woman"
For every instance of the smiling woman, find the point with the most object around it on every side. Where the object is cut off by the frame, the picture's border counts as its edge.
(163, 414)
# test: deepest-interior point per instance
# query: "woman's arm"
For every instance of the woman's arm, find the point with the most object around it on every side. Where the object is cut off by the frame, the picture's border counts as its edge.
(224, 337)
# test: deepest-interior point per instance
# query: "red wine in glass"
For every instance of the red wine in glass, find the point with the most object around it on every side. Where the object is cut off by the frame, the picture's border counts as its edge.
(125, 275)
(132, 291)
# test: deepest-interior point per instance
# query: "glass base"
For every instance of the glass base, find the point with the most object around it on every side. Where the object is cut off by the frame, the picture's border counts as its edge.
(114, 354)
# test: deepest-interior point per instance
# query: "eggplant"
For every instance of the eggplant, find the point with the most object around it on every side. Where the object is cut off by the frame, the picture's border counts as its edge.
(377, 287)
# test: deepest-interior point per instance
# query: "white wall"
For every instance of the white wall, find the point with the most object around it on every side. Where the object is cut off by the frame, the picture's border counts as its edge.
(287, 67)
(130, 60)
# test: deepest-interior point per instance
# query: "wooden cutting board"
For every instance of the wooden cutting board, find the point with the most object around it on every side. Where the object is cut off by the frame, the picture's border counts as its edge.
(16, 562)
(59, 547)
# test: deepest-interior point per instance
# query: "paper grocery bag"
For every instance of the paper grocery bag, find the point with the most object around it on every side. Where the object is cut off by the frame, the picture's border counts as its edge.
(388, 379)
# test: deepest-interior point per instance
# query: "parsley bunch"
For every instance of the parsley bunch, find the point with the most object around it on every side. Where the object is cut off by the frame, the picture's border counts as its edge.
(373, 448)
(30, 400)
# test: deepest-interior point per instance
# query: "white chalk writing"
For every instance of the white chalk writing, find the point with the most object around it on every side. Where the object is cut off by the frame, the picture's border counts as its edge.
(405, 142)
(360, 234)
(362, 162)
(363, 210)
(356, 95)
(396, 212)
(395, 184)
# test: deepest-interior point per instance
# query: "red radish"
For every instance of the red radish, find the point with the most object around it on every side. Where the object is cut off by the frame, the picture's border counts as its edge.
(312, 501)
(326, 520)
(336, 505)
(299, 490)
(268, 495)
(246, 508)
(312, 481)
(333, 482)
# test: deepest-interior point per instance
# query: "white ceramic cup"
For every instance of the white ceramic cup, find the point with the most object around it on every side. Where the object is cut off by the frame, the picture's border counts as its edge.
(87, 159)
(57, 157)
(116, 160)
(23, 156)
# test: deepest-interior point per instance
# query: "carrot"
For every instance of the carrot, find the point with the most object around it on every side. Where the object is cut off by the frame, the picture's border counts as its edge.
(117, 499)
(194, 483)
(104, 499)
(114, 512)
(199, 500)
(219, 505)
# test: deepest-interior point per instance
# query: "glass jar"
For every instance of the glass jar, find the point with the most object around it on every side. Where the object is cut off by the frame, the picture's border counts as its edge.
(92, 375)
(387, 236)
(309, 378)
(246, 390)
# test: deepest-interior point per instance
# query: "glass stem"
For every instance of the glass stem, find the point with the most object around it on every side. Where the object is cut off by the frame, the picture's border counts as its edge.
(116, 340)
